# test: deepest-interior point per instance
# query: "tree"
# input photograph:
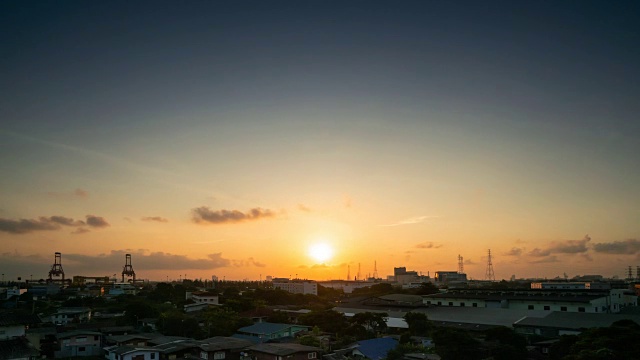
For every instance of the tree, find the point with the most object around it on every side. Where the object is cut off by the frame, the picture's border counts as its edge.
(510, 345)
(419, 324)
(329, 321)
(402, 349)
(427, 288)
(375, 322)
(619, 341)
(453, 344)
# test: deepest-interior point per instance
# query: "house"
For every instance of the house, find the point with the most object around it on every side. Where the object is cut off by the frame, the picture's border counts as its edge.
(129, 339)
(284, 351)
(220, 348)
(128, 352)
(79, 343)
(265, 331)
(178, 349)
(14, 325)
(374, 349)
(64, 316)
(200, 297)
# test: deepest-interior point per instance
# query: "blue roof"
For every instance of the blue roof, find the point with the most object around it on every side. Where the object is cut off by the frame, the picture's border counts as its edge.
(376, 349)
(265, 328)
(252, 339)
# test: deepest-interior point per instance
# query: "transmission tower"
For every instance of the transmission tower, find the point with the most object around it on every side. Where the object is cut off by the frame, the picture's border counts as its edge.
(489, 275)
(375, 269)
(460, 265)
(629, 274)
(348, 273)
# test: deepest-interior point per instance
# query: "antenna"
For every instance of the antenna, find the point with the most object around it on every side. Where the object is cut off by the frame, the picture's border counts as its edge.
(490, 275)
(460, 265)
(348, 272)
(375, 269)
(128, 269)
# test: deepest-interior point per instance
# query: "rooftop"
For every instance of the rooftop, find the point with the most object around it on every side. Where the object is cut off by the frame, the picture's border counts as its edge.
(283, 349)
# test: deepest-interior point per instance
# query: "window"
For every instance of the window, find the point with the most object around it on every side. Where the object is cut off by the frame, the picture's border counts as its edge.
(461, 304)
(152, 355)
(81, 349)
(563, 308)
(439, 302)
(218, 355)
(474, 304)
(81, 339)
(311, 355)
(530, 307)
(450, 303)
(428, 302)
(204, 355)
(547, 307)
(581, 309)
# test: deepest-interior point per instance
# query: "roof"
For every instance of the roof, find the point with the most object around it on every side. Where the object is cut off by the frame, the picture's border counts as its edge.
(125, 338)
(532, 295)
(178, 345)
(575, 321)
(224, 343)
(249, 338)
(266, 328)
(402, 298)
(73, 333)
(375, 349)
(283, 349)
(11, 319)
(126, 349)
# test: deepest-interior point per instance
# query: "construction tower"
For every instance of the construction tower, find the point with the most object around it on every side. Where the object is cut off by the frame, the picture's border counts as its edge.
(56, 269)
(489, 274)
(128, 269)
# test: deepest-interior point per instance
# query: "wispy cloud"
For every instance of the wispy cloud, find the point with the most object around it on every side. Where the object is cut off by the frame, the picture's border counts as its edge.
(428, 245)
(304, 208)
(629, 246)
(514, 252)
(44, 223)
(545, 260)
(411, 220)
(80, 193)
(155, 219)
(247, 262)
(204, 215)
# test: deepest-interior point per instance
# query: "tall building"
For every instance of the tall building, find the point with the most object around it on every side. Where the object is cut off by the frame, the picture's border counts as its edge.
(296, 286)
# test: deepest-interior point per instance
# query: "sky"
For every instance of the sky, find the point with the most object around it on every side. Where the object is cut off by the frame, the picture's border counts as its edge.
(311, 139)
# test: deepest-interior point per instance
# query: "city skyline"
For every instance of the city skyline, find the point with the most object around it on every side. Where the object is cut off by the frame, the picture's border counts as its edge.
(283, 138)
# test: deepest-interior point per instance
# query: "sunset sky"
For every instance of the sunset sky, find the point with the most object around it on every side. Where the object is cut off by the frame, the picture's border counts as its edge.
(228, 138)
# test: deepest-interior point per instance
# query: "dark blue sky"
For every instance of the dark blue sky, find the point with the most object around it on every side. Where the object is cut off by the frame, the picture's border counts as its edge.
(505, 120)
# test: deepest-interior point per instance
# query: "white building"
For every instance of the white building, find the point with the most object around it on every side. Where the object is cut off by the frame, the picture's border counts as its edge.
(65, 316)
(571, 301)
(296, 286)
(570, 285)
(15, 292)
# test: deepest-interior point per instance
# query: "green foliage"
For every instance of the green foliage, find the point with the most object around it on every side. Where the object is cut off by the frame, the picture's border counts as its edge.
(221, 321)
(427, 288)
(137, 310)
(510, 344)
(418, 323)
(372, 322)
(327, 320)
(309, 340)
(404, 348)
(619, 341)
(454, 344)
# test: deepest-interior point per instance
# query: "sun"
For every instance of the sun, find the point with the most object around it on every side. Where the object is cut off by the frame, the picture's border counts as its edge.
(320, 252)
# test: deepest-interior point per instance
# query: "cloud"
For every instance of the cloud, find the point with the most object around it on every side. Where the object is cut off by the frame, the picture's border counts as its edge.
(563, 247)
(428, 245)
(205, 215)
(97, 221)
(248, 262)
(469, 262)
(81, 193)
(587, 257)
(546, 260)
(302, 207)
(514, 252)
(24, 226)
(629, 246)
(65, 221)
(155, 218)
(143, 260)
(412, 220)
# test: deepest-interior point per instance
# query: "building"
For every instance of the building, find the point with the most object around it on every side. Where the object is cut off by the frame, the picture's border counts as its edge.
(347, 286)
(265, 331)
(68, 315)
(288, 351)
(15, 292)
(128, 352)
(78, 343)
(590, 301)
(296, 286)
(222, 348)
(564, 285)
(373, 349)
(447, 277)
(560, 323)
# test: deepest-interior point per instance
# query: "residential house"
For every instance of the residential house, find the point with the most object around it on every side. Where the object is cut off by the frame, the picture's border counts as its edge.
(222, 348)
(128, 352)
(289, 351)
(373, 349)
(79, 343)
(65, 316)
(265, 331)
